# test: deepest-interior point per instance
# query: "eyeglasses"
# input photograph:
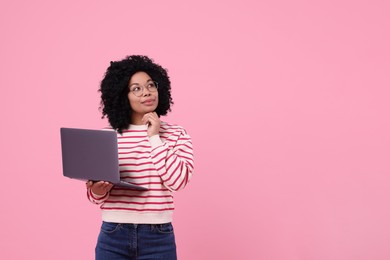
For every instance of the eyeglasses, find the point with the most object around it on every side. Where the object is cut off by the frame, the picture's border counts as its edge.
(138, 89)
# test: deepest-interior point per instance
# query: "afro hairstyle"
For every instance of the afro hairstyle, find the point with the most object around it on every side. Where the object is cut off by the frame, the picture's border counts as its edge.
(114, 89)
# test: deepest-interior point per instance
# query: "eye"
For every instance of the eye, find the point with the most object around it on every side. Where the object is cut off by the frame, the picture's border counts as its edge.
(151, 85)
(135, 89)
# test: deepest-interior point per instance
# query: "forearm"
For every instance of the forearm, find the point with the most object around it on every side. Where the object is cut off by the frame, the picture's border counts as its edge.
(175, 165)
(95, 198)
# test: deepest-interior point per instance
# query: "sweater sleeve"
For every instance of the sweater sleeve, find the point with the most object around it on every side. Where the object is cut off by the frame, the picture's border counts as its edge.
(174, 162)
(96, 199)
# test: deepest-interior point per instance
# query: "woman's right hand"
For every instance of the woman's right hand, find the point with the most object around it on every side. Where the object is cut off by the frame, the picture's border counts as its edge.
(100, 187)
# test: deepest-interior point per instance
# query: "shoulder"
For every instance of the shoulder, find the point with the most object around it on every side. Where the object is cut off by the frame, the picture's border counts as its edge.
(107, 128)
(168, 127)
(174, 132)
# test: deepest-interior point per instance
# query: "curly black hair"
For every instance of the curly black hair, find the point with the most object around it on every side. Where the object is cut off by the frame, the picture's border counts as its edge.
(114, 89)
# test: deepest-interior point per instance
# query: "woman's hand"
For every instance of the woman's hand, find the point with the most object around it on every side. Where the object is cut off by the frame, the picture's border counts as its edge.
(153, 122)
(100, 187)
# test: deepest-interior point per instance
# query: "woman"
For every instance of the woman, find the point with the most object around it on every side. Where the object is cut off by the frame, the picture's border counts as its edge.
(135, 92)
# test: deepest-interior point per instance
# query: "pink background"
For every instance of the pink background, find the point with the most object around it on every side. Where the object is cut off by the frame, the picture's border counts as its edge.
(287, 103)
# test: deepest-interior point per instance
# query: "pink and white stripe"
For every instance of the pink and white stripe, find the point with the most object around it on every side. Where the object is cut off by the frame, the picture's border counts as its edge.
(163, 163)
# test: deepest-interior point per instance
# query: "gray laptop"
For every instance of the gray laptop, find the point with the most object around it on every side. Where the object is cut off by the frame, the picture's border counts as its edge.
(92, 155)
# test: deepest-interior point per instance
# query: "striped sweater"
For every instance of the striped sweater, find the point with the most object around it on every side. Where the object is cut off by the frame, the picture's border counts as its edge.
(163, 163)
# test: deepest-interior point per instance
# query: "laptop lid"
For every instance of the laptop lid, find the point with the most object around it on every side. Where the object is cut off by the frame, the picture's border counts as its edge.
(90, 154)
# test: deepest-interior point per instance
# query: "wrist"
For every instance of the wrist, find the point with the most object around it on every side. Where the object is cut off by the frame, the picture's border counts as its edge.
(96, 196)
(153, 132)
(155, 141)
(98, 193)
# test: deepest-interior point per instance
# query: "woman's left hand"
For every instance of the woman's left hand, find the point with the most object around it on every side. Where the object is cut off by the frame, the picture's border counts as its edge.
(153, 122)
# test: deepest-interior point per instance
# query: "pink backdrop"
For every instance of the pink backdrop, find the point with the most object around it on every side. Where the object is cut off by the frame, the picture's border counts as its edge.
(287, 103)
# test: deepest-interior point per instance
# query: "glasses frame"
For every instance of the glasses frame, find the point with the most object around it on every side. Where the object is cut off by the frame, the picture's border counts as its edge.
(143, 88)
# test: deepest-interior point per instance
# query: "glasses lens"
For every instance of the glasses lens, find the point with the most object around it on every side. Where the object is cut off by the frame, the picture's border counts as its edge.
(152, 86)
(137, 90)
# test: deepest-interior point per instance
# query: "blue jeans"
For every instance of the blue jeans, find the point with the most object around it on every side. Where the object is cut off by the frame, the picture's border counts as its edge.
(136, 241)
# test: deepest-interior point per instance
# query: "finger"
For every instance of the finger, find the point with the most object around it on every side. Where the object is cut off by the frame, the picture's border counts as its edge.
(90, 184)
(99, 184)
(151, 115)
(155, 115)
(150, 121)
(147, 114)
(155, 122)
(106, 189)
(153, 118)
(145, 119)
(106, 184)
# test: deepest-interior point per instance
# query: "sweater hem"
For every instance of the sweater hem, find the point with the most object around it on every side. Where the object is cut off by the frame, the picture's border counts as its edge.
(137, 218)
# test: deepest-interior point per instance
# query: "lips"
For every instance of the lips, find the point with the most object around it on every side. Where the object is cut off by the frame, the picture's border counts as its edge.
(148, 101)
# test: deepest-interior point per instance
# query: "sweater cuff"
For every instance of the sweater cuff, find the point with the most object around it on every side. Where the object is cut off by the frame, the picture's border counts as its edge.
(155, 141)
(97, 197)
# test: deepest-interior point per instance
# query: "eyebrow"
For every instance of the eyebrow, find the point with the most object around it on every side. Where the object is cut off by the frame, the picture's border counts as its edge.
(138, 83)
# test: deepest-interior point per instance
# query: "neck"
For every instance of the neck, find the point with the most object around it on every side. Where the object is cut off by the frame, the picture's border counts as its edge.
(136, 119)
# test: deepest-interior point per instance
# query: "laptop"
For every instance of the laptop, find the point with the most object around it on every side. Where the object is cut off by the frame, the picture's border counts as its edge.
(92, 155)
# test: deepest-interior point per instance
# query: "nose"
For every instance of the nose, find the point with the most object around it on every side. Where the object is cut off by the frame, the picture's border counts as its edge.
(146, 92)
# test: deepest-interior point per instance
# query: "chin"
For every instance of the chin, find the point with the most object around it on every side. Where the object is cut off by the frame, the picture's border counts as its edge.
(150, 110)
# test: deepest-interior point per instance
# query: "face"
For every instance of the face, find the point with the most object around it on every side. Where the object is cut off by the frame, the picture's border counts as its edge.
(143, 97)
